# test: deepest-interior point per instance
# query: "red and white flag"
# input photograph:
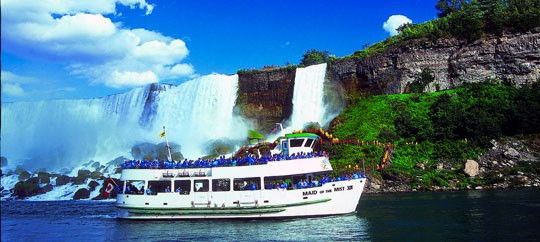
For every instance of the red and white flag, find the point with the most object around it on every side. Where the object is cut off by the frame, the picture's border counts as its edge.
(110, 188)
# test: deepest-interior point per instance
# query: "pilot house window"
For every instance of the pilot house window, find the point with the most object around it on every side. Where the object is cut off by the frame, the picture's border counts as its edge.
(296, 142)
(308, 143)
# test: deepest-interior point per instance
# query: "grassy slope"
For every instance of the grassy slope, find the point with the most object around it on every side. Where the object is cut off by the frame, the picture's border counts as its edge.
(373, 121)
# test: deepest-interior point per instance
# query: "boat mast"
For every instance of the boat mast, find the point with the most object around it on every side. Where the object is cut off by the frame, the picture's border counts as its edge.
(168, 147)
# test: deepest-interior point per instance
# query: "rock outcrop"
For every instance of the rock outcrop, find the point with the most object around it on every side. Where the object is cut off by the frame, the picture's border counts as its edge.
(265, 96)
(471, 168)
(512, 58)
(82, 193)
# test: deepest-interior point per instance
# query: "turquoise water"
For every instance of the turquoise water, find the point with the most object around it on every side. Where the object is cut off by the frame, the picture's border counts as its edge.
(498, 215)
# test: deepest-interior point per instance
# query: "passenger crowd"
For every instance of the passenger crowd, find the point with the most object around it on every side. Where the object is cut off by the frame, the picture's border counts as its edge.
(218, 162)
(316, 182)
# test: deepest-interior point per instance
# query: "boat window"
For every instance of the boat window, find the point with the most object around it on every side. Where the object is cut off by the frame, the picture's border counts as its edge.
(219, 185)
(309, 142)
(159, 186)
(134, 187)
(183, 187)
(247, 184)
(296, 142)
(201, 185)
(277, 182)
(284, 144)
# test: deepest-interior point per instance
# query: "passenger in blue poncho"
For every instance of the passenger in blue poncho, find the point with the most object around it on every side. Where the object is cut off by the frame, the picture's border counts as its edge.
(148, 190)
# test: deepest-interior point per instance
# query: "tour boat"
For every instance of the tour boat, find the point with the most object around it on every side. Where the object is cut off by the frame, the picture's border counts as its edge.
(294, 182)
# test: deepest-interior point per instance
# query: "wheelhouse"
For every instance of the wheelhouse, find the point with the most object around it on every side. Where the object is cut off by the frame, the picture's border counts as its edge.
(296, 143)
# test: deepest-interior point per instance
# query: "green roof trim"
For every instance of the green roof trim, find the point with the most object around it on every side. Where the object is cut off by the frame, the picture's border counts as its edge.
(301, 135)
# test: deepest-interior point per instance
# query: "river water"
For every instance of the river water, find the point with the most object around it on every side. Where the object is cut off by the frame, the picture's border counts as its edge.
(495, 215)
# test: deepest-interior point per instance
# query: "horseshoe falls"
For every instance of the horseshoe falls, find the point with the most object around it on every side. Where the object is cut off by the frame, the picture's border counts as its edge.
(65, 133)
(308, 103)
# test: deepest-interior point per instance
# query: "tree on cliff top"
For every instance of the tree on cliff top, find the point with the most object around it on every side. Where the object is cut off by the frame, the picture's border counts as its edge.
(445, 7)
(313, 57)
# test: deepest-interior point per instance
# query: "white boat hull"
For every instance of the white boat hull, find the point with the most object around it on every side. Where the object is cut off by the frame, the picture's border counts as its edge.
(332, 198)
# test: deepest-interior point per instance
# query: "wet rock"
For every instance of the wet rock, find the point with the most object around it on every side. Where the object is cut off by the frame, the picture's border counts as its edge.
(82, 193)
(19, 170)
(26, 188)
(44, 177)
(92, 185)
(95, 175)
(373, 184)
(24, 175)
(79, 180)
(471, 168)
(83, 173)
(45, 189)
(62, 180)
(512, 153)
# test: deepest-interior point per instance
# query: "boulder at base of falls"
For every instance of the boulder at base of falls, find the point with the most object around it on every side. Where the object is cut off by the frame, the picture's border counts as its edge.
(45, 189)
(44, 177)
(24, 175)
(62, 180)
(92, 185)
(25, 189)
(82, 193)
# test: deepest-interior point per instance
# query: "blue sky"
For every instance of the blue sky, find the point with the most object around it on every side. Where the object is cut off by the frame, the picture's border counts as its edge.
(87, 49)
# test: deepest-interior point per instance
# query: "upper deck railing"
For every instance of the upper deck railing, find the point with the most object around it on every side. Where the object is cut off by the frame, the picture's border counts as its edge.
(218, 162)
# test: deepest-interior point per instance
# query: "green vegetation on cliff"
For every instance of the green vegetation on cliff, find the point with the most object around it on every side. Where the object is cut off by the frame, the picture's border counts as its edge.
(466, 20)
(427, 129)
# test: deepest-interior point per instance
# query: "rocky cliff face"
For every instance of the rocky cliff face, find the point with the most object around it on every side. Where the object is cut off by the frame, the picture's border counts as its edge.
(266, 95)
(511, 57)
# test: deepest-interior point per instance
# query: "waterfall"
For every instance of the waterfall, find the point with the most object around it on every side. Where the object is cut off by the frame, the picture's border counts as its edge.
(200, 110)
(64, 133)
(308, 104)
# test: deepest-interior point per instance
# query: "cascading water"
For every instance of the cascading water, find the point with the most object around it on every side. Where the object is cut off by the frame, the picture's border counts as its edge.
(65, 133)
(308, 104)
(200, 110)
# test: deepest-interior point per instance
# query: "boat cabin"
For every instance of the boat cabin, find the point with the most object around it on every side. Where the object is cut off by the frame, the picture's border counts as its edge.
(296, 143)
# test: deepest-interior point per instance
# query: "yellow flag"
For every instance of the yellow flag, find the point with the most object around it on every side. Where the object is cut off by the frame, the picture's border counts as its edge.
(162, 134)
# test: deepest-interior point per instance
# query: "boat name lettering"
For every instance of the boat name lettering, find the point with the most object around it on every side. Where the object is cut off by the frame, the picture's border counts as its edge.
(349, 187)
(329, 190)
(339, 189)
(306, 193)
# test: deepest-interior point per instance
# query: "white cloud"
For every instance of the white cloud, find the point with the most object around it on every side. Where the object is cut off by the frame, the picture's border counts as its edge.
(158, 52)
(12, 84)
(182, 70)
(394, 22)
(131, 79)
(12, 89)
(81, 35)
